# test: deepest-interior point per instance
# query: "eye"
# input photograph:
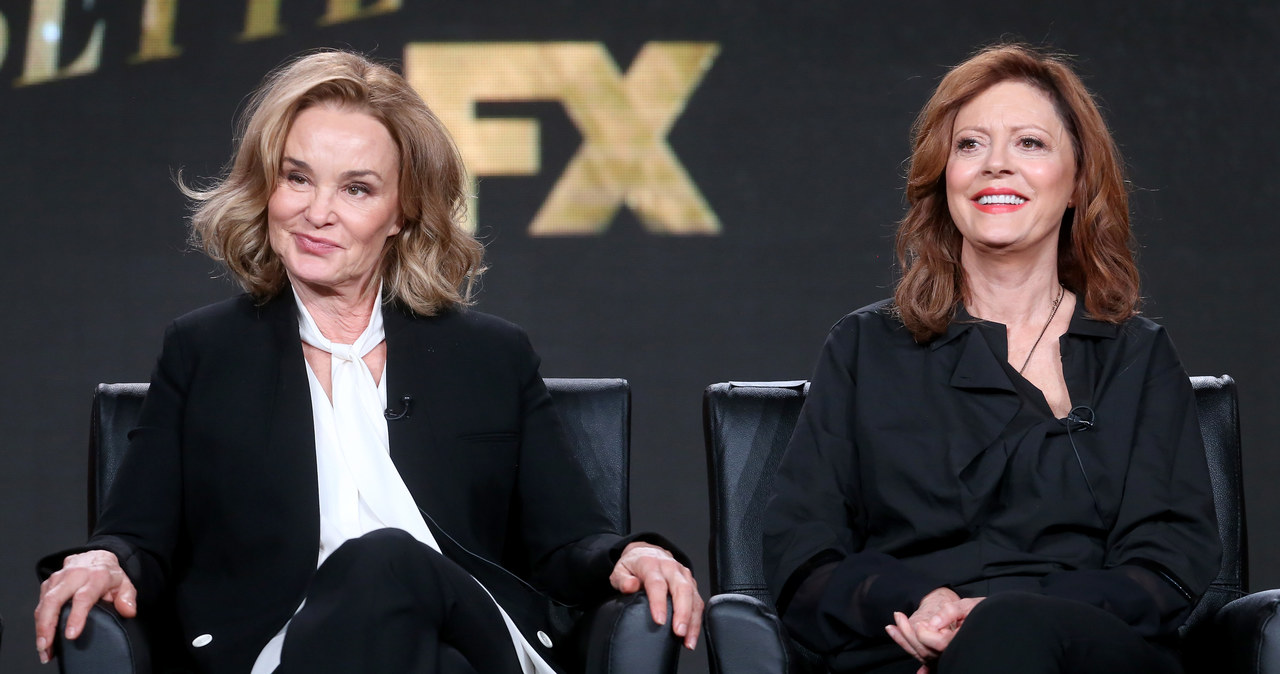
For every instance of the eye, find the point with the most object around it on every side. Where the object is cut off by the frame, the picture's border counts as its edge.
(966, 145)
(295, 178)
(356, 189)
(1031, 143)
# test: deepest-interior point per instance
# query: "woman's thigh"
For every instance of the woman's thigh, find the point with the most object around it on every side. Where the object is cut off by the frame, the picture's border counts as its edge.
(1034, 634)
(386, 602)
(904, 665)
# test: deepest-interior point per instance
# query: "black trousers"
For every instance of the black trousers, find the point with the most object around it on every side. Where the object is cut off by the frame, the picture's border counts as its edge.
(1024, 633)
(385, 602)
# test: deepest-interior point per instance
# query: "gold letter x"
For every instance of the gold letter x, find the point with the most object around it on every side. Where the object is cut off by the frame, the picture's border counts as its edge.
(624, 121)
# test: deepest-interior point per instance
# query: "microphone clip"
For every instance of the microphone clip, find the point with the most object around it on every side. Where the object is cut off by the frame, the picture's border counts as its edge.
(1080, 418)
(405, 404)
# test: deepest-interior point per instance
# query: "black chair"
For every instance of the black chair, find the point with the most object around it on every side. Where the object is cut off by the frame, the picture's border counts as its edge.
(748, 426)
(617, 636)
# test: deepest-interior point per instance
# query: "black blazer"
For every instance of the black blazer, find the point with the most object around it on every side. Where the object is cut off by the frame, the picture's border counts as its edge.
(216, 504)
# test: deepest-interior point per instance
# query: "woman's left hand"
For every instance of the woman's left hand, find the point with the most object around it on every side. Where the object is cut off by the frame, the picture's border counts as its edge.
(928, 631)
(653, 568)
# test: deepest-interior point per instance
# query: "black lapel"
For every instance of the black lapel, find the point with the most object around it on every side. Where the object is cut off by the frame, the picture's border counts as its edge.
(290, 432)
(1091, 358)
(989, 403)
(1086, 356)
(417, 367)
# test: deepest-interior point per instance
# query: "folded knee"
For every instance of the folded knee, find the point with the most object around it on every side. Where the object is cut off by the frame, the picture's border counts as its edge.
(380, 549)
(1013, 615)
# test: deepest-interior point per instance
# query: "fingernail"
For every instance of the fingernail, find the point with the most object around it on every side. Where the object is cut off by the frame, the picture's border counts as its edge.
(41, 643)
(44, 658)
(682, 629)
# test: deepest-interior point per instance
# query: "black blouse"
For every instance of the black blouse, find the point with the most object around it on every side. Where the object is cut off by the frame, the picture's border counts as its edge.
(914, 467)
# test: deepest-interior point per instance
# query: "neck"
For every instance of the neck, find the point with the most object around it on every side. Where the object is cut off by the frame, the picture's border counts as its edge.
(1010, 291)
(342, 314)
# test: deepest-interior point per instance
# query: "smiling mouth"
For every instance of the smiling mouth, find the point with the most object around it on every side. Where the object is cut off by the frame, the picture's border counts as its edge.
(314, 244)
(1009, 199)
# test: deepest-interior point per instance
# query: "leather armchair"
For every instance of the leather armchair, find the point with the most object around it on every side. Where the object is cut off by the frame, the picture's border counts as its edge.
(748, 426)
(616, 637)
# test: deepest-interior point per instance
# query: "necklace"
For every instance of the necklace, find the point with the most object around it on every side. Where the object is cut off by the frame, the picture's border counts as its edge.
(1062, 291)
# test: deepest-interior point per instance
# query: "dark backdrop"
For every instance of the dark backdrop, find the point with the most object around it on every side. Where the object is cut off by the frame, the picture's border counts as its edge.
(795, 138)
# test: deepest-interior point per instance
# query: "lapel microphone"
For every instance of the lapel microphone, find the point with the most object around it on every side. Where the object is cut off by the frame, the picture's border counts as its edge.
(1080, 418)
(405, 404)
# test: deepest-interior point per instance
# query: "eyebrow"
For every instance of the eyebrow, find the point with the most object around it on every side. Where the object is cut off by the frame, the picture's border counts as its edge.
(1016, 129)
(346, 175)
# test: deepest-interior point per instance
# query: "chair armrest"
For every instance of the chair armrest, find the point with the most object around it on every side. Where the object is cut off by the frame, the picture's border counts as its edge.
(744, 636)
(1250, 631)
(623, 639)
(109, 644)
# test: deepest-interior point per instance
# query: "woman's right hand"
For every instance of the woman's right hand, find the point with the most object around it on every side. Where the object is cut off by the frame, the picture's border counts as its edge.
(85, 579)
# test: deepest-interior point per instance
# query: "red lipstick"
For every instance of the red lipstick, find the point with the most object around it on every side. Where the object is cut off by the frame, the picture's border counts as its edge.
(998, 200)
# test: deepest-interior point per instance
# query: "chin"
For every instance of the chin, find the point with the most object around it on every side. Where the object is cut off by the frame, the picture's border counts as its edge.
(308, 274)
(993, 240)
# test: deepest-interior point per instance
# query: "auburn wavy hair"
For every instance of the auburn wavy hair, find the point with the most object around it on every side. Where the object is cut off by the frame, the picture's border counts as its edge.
(432, 264)
(1095, 255)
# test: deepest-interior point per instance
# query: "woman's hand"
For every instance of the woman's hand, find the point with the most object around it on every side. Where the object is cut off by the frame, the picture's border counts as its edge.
(651, 567)
(933, 625)
(85, 579)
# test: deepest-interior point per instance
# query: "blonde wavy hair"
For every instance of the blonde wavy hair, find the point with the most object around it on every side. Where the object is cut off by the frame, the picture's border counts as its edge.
(431, 265)
(1095, 254)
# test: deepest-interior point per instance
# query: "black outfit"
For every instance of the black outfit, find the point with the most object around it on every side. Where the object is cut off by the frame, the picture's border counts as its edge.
(1040, 634)
(216, 508)
(914, 467)
(400, 606)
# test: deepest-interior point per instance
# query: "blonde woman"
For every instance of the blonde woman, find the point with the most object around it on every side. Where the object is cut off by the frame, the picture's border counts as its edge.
(331, 470)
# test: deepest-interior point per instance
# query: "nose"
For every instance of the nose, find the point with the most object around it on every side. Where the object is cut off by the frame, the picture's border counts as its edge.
(997, 160)
(319, 211)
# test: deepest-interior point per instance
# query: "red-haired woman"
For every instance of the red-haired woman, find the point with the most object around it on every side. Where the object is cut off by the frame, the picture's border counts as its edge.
(999, 469)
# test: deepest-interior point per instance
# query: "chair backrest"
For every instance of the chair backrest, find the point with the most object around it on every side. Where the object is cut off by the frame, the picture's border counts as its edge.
(596, 415)
(115, 413)
(1217, 407)
(748, 426)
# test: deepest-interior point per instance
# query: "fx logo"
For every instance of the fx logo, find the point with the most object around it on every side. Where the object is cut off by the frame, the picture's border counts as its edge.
(624, 119)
